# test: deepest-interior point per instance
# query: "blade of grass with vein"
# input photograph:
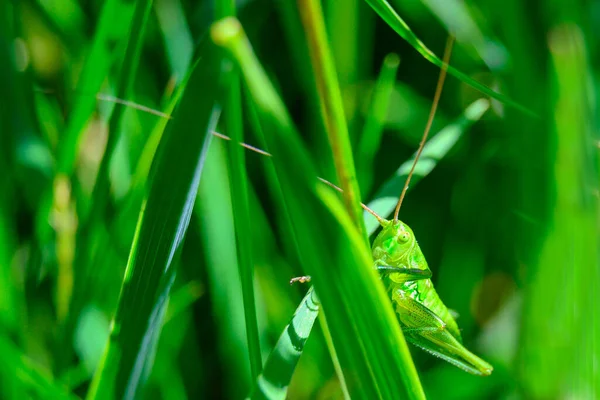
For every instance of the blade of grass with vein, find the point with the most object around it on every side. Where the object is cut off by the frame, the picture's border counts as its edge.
(273, 382)
(385, 199)
(391, 17)
(370, 138)
(232, 121)
(332, 109)
(161, 228)
(373, 354)
(132, 201)
(214, 216)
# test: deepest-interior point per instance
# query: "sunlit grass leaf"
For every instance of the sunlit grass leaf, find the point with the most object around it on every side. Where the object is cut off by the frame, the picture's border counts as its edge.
(389, 15)
(161, 228)
(273, 382)
(385, 199)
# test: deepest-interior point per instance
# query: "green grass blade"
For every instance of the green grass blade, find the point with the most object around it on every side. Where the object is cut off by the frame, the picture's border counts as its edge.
(171, 18)
(160, 232)
(342, 19)
(391, 17)
(123, 224)
(332, 109)
(373, 355)
(126, 80)
(91, 218)
(273, 382)
(301, 69)
(232, 121)
(385, 199)
(571, 240)
(214, 216)
(370, 138)
(92, 77)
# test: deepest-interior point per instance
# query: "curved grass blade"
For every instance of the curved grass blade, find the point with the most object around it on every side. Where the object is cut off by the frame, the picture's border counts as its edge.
(391, 17)
(161, 228)
(373, 354)
(274, 380)
(455, 15)
(385, 199)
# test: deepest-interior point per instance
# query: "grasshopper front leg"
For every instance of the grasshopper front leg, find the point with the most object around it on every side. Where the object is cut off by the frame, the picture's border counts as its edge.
(411, 274)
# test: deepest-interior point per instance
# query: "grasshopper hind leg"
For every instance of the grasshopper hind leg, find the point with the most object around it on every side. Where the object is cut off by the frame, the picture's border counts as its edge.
(424, 329)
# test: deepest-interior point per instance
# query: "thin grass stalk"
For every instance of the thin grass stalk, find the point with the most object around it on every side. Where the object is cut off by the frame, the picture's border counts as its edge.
(332, 109)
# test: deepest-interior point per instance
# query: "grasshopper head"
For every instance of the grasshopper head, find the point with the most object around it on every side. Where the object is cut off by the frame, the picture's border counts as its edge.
(396, 246)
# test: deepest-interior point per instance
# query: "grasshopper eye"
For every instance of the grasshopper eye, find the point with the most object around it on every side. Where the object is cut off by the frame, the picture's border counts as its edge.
(404, 237)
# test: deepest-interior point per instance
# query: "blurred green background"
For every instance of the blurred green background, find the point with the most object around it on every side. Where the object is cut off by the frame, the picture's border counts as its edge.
(508, 217)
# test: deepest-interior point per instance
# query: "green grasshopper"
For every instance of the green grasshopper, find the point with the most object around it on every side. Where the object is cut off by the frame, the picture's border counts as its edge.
(426, 322)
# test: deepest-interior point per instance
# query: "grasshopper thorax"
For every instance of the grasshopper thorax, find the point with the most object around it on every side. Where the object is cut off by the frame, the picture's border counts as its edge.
(396, 246)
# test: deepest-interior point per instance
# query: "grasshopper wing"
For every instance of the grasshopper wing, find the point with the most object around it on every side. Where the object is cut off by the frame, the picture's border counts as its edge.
(423, 328)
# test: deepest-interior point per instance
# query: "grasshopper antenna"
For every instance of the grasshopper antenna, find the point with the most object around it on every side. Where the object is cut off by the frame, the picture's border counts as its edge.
(367, 209)
(325, 181)
(436, 100)
(111, 99)
(244, 145)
